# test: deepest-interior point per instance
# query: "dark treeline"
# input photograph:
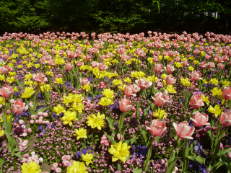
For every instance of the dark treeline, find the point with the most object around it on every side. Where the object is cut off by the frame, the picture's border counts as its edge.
(115, 15)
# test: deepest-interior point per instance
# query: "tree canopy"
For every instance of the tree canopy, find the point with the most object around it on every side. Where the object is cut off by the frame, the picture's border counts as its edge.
(115, 15)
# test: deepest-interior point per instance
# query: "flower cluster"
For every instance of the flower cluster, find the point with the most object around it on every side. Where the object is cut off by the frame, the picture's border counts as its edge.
(107, 102)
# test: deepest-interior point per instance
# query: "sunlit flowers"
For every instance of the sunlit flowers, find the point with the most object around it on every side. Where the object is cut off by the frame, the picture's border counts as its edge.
(183, 130)
(69, 117)
(119, 151)
(87, 158)
(59, 80)
(28, 92)
(157, 128)
(77, 167)
(59, 109)
(30, 167)
(96, 121)
(2, 133)
(216, 110)
(2, 101)
(185, 82)
(74, 101)
(160, 114)
(108, 93)
(216, 91)
(170, 89)
(105, 101)
(214, 81)
(81, 133)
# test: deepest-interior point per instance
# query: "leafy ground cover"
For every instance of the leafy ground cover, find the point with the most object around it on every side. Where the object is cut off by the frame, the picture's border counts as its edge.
(148, 102)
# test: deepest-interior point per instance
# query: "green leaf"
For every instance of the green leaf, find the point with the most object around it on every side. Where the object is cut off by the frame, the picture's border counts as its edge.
(144, 134)
(110, 123)
(1, 164)
(137, 170)
(199, 159)
(133, 139)
(171, 166)
(171, 163)
(223, 152)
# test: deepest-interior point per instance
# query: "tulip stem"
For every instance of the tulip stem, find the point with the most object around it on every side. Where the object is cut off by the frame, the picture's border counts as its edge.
(7, 126)
(120, 123)
(148, 155)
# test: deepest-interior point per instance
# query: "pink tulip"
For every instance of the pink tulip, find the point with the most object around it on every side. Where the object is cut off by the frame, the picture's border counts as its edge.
(226, 93)
(143, 84)
(220, 66)
(170, 69)
(160, 99)
(158, 68)
(128, 91)
(6, 91)
(183, 130)
(170, 80)
(125, 105)
(5, 69)
(225, 118)
(68, 67)
(102, 66)
(203, 64)
(94, 64)
(102, 85)
(196, 101)
(200, 119)
(157, 128)
(195, 75)
(135, 88)
(79, 63)
(131, 90)
(18, 106)
(40, 77)
(211, 65)
(104, 140)
(84, 81)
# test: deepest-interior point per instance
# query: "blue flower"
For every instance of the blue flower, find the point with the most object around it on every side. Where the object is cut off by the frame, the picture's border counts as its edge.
(140, 150)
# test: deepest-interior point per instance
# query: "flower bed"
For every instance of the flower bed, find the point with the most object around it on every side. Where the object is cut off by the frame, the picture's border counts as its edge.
(77, 103)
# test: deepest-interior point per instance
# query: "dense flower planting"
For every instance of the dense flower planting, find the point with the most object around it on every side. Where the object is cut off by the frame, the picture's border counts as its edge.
(78, 103)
